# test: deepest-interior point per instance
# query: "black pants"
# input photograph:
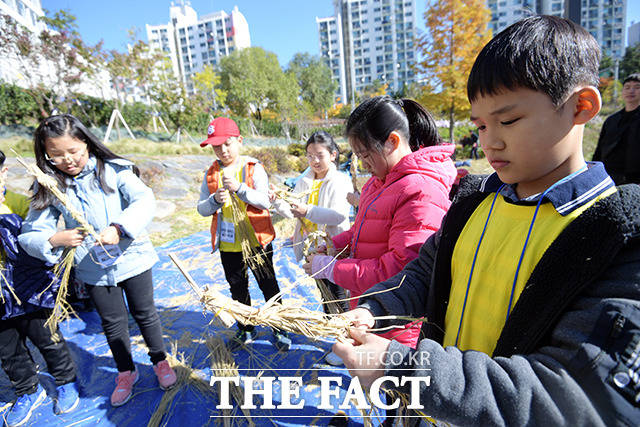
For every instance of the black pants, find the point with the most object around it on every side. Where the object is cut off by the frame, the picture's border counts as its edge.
(337, 292)
(235, 271)
(109, 301)
(17, 361)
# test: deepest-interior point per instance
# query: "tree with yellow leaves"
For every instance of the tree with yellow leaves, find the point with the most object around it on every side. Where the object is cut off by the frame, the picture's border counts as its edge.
(456, 32)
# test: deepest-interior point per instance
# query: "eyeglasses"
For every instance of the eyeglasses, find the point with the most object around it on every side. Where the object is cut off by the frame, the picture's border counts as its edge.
(58, 160)
(321, 156)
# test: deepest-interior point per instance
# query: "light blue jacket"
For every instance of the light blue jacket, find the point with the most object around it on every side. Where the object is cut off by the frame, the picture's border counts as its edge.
(131, 205)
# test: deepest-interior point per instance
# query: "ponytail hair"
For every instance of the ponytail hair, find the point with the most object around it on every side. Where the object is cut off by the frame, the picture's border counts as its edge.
(375, 118)
(67, 125)
(324, 138)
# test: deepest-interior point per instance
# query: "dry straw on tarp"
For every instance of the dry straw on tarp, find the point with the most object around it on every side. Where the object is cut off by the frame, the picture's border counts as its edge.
(186, 377)
(62, 309)
(224, 365)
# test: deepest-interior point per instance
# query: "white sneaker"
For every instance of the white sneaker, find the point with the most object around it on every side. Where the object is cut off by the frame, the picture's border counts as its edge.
(333, 359)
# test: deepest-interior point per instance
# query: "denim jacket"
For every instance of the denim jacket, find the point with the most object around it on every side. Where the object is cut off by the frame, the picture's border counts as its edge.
(131, 205)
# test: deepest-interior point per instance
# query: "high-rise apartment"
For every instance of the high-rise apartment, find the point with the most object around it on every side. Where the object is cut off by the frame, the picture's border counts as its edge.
(605, 19)
(634, 34)
(193, 42)
(369, 40)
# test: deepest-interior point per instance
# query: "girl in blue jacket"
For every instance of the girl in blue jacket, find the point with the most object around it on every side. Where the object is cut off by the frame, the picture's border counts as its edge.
(113, 199)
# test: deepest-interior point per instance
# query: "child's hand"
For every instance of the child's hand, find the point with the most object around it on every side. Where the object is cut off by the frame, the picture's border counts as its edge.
(360, 317)
(299, 211)
(109, 236)
(364, 357)
(307, 267)
(230, 183)
(67, 238)
(353, 198)
(271, 193)
(221, 195)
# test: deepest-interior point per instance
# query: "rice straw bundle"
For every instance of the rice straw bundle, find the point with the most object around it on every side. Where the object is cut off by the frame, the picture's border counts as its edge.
(186, 377)
(4, 280)
(224, 365)
(296, 319)
(254, 258)
(353, 169)
(62, 310)
(289, 196)
(314, 240)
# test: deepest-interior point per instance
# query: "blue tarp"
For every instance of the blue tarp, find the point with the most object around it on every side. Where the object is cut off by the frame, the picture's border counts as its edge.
(186, 326)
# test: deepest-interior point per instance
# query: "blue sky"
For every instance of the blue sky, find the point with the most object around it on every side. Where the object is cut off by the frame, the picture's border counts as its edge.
(281, 26)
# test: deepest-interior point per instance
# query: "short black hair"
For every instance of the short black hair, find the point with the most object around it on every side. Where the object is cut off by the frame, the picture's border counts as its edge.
(635, 77)
(544, 53)
(2, 158)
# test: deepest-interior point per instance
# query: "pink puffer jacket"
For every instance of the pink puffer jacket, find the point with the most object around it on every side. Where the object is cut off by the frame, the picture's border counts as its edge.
(395, 217)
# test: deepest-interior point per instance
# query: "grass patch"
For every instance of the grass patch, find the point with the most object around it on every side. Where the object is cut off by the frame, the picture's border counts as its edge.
(23, 146)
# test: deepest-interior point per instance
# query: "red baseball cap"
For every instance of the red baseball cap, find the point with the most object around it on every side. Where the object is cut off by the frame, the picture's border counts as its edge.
(220, 129)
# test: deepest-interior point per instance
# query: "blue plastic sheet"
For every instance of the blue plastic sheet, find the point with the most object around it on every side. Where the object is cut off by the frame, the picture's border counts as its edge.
(186, 326)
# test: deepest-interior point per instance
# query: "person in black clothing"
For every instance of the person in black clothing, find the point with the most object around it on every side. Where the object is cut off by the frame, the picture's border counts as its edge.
(474, 145)
(619, 144)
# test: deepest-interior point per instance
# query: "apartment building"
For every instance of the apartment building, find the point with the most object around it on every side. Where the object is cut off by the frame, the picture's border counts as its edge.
(633, 36)
(605, 19)
(193, 42)
(369, 40)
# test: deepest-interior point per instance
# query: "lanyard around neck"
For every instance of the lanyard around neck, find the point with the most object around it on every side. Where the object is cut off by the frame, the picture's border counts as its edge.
(524, 248)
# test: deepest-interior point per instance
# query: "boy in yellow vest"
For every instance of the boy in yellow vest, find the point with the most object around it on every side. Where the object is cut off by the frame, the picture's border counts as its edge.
(530, 291)
(244, 178)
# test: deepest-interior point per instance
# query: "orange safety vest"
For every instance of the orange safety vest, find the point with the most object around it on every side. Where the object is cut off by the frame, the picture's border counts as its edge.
(260, 219)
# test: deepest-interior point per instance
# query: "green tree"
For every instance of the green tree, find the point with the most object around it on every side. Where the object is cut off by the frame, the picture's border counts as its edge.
(207, 84)
(606, 66)
(170, 96)
(630, 62)
(456, 31)
(313, 76)
(375, 88)
(253, 81)
(51, 63)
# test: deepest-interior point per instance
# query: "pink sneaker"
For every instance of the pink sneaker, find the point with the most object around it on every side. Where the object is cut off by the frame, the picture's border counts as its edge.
(124, 387)
(166, 375)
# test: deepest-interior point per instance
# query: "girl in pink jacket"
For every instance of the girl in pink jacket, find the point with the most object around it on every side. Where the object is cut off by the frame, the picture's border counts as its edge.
(402, 203)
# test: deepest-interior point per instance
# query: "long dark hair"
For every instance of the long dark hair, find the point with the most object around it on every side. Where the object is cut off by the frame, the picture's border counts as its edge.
(374, 119)
(55, 127)
(322, 137)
